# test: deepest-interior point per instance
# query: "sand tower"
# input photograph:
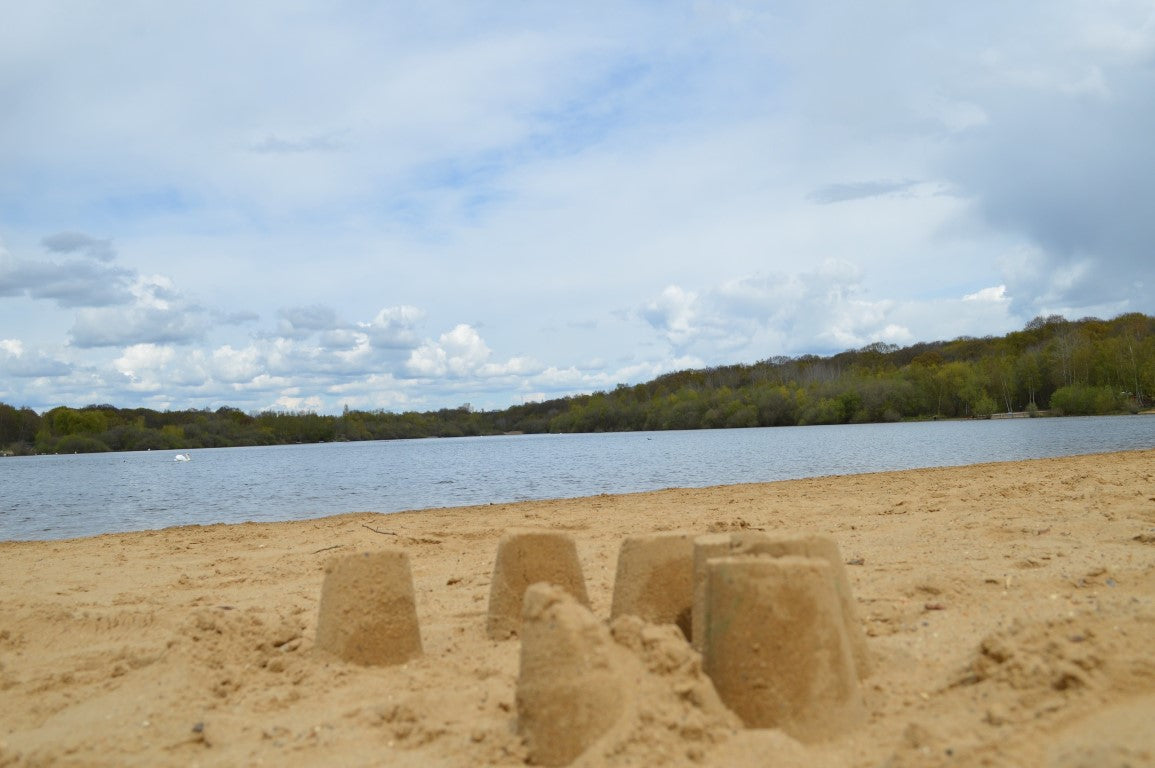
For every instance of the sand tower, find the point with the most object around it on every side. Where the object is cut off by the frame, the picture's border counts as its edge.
(368, 614)
(781, 545)
(776, 645)
(655, 579)
(569, 690)
(525, 557)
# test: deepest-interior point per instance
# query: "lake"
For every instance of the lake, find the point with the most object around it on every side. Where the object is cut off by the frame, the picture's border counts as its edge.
(55, 497)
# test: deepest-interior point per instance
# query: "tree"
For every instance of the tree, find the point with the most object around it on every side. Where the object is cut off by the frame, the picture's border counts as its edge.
(18, 427)
(1029, 372)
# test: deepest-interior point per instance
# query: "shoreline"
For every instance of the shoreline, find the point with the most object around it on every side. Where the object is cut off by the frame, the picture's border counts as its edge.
(6, 453)
(115, 648)
(64, 515)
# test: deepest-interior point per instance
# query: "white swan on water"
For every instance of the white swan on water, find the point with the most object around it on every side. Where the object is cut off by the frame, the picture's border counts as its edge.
(182, 457)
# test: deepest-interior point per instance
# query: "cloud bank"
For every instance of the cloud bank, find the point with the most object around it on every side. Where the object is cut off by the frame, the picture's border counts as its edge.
(381, 207)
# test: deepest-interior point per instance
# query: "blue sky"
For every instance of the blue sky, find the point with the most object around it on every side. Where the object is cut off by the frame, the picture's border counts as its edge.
(306, 205)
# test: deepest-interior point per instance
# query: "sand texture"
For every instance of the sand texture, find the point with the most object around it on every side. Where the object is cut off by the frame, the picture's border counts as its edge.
(1008, 611)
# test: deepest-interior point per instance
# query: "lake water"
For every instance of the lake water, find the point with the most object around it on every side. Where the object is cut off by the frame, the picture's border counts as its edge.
(55, 497)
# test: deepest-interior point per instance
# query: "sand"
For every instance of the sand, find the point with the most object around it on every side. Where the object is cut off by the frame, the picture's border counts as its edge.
(1009, 610)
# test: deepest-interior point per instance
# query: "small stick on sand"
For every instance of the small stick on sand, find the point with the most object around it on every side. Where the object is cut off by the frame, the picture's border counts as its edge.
(375, 530)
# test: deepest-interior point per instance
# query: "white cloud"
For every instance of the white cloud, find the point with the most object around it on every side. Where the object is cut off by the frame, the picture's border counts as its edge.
(157, 315)
(16, 361)
(464, 350)
(72, 282)
(395, 327)
(895, 334)
(378, 392)
(673, 313)
(457, 353)
(146, 365)
(824, 310)
(71, 242)
(264, 383)
(514, 367)
(993, 293)
(299, 322)
(234, 366)
(559, 382)
(297, 402)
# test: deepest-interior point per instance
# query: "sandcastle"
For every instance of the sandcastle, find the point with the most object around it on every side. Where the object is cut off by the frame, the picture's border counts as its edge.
(772, 616)
(368, 614)
(525, 557)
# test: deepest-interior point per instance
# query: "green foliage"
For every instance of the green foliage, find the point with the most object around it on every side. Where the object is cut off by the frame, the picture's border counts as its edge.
(67, 421)
(80, 444)
(1084, 400)
(18, 428)
(823, 411)
(983, 406)
(1088, 366)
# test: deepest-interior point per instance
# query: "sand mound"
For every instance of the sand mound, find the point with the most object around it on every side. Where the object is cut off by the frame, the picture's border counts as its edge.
(569, 688)
(587, 694)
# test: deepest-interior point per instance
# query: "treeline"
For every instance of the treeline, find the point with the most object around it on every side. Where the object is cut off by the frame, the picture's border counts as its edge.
(1089, 366)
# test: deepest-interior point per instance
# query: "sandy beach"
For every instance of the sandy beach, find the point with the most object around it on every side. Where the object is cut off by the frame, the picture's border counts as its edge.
(1008, 610)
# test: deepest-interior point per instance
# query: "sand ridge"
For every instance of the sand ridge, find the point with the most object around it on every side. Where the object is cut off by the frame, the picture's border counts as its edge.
(1009, 610)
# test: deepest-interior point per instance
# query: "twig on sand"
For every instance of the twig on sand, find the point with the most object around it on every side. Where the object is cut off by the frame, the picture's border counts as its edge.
(326, 549)
(376, 530)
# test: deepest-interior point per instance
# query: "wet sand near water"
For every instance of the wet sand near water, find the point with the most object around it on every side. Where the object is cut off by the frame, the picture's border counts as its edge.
(1009, 611)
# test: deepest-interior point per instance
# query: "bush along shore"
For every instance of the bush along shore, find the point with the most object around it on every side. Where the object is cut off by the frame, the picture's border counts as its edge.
(1052, 366)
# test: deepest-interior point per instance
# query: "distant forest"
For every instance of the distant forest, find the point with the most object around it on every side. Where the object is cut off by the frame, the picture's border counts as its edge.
(1053, 365)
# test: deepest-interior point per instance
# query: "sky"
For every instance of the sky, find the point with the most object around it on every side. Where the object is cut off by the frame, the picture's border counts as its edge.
(306, 206)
